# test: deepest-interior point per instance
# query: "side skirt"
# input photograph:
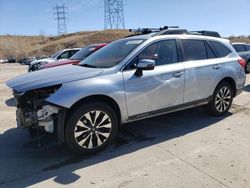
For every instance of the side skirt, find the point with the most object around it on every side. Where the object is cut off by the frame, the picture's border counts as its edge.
(169, 109)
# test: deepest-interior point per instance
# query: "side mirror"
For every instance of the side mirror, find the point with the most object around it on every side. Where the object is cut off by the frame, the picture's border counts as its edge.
(144, 64)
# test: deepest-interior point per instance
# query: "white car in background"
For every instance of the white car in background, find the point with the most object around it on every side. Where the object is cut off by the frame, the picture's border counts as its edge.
(3, 60)
(63, 54)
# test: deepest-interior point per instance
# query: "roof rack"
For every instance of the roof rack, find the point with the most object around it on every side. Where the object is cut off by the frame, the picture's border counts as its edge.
(208, 33)
(170, 30)
(143, 31)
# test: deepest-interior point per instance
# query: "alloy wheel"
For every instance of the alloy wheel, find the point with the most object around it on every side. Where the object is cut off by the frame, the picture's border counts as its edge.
(93, 129)
(223, 99)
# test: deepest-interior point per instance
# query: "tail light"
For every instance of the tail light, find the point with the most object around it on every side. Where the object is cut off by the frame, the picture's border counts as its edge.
(242, 62)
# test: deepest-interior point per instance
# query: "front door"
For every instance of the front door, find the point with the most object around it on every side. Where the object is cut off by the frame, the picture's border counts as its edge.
(155, 89)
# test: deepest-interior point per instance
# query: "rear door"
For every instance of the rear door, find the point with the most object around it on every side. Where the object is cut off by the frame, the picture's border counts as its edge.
(202, 69)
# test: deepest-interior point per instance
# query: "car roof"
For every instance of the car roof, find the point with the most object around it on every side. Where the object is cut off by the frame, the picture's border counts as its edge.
(97, 44)
(70, 49)
(235, 43)
(178, 36)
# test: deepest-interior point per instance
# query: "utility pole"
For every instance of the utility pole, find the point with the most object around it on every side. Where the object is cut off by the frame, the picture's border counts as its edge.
(60, 16)
(114, 14)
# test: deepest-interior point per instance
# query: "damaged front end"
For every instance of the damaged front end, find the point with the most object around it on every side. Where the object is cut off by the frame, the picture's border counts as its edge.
(35, 113)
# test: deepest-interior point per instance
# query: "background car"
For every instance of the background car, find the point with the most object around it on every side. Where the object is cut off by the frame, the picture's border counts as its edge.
(3, 60)
(243, 50)
(77, 57)
(11, 60)
(63, 54)
(27, 60)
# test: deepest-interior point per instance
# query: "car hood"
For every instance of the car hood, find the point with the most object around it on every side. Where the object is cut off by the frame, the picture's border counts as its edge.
(50, 77)
(42, 60)
(60, 62)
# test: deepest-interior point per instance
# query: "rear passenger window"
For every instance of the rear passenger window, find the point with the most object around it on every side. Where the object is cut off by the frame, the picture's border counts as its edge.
(194, 50)
(220, 49)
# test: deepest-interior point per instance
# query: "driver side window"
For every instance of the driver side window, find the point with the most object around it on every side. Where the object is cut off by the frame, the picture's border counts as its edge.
(64, 55)
(163, 52)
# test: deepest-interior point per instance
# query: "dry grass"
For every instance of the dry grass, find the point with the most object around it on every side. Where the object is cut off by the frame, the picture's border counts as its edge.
(240, 39)
(23, 46)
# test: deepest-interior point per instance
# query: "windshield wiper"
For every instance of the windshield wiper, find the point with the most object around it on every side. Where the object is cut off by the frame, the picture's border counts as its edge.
(88, 65)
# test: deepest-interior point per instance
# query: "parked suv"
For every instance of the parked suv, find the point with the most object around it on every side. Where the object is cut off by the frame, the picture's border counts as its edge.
(244, 51)
(130, 79)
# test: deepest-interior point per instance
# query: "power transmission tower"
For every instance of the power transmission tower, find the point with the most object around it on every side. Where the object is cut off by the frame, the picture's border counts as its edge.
(60, 13)
(113, 14)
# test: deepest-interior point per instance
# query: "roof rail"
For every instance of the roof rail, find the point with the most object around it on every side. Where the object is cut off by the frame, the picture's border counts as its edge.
(171, 30)
(207, 33)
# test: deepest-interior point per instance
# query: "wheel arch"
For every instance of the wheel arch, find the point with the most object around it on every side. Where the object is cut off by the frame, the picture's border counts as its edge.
(231, 81)
(101, 98)
(63, 119)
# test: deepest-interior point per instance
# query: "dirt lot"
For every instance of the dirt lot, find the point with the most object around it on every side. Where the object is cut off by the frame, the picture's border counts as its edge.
(183, 149)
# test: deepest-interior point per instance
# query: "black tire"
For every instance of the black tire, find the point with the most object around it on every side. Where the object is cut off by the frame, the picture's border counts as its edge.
(247, 67)
(220, 104)
(88, 126)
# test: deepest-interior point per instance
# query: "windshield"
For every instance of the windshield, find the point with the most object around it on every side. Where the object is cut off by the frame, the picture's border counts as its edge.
(112, 54)
(55, 54)
(83, 53)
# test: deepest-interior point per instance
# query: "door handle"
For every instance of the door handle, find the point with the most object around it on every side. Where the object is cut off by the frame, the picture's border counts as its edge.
(216, 66)
(178, 74)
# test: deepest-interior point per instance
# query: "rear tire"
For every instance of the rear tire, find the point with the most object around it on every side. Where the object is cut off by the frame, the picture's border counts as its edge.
(222, 100)
(91, 128)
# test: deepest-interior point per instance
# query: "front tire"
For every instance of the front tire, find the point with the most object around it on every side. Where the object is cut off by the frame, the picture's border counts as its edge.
(222, 100)
(91, 128)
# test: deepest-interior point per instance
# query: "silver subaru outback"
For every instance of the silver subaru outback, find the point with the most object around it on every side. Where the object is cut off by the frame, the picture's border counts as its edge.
(130, 79)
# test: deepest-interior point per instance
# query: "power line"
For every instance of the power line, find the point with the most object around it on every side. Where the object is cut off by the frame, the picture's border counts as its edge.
(60, 13)
(114, 14)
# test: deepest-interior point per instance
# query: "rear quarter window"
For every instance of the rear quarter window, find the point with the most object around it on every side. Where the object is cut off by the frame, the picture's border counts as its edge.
(220, 49)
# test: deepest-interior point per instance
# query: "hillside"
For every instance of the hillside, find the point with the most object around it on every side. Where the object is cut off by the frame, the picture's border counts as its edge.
(240, 39)
(22, 46)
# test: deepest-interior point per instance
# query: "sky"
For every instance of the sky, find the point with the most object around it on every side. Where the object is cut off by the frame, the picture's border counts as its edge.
(35, 17)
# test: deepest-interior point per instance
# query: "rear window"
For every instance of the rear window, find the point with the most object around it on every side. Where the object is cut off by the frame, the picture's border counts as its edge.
(239, 47)
(248, 47)
(194, 50)
(220, 49)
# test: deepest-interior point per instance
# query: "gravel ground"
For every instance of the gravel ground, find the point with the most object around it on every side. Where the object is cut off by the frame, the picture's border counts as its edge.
(182, 149)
